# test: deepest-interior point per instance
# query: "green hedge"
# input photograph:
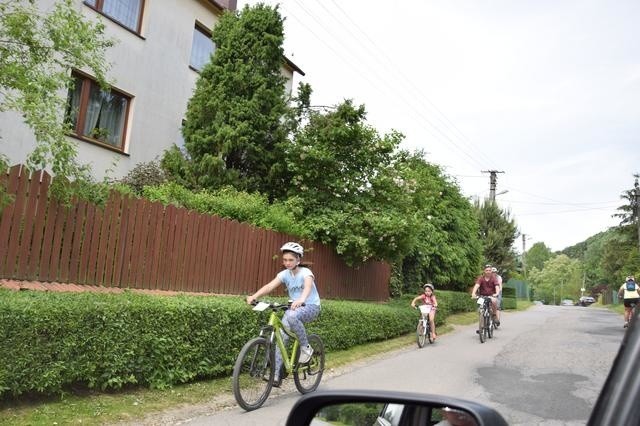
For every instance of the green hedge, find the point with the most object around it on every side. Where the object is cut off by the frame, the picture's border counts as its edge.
(51, 341)
(509, 299)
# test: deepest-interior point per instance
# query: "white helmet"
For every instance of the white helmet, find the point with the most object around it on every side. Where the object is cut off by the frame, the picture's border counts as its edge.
(494, 269)
(293, 247)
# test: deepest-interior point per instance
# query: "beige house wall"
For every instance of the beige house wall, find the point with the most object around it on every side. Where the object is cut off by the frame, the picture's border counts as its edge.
(153, 67)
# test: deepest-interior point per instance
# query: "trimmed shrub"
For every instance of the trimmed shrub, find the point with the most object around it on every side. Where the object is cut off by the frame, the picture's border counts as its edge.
(51, 341)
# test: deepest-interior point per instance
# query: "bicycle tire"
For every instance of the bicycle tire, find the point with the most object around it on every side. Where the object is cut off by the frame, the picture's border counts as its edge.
(307, 376)
(253, 374)
(428, 333)
(489, 326)
(481, 326)
(420, 334)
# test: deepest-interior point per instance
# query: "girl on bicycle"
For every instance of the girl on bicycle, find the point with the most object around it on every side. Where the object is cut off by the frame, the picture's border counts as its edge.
(428, 298)
(301, 287)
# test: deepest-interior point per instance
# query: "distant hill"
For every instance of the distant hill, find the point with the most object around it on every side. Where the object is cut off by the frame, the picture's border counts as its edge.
(578, 251)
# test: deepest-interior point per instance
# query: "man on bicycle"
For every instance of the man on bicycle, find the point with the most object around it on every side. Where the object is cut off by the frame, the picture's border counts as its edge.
(487, 286)
(630, 292)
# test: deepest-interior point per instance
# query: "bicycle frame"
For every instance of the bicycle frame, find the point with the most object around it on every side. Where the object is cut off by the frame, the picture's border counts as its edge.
(273, 329)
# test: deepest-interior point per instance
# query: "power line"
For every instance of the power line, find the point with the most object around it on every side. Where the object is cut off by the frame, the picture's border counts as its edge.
(379, 52)
(395, 94)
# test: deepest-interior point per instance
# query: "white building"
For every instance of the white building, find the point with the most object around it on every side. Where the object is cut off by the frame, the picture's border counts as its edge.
(160, 46)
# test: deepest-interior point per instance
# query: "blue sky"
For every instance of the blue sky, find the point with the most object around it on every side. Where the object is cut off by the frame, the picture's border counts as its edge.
(546, 91)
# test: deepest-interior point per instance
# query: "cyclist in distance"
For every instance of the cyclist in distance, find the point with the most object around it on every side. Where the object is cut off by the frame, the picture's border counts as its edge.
(499, 278)
(487, 286)
(428, 298)
(631, 292)
(301, 287)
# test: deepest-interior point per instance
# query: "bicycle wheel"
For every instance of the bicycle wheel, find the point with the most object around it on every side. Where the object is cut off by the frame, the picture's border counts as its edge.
(307, 376)
(428, 332)
(481, 326)
(253, 374)
(420, 333)
(489, 325)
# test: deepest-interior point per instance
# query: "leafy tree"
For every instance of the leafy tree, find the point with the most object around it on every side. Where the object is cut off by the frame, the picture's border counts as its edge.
(343, 176)
(498, 232)
(617, 258)
(234, 130)
(37, 51)
(630, 212)
(447, 249)
(537, 255)
(561, 278)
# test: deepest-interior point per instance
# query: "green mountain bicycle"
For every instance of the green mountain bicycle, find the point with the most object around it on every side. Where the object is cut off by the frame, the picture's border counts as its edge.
(254, 370)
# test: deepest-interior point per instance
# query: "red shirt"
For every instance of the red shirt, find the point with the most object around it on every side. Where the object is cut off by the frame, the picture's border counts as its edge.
(487, 285)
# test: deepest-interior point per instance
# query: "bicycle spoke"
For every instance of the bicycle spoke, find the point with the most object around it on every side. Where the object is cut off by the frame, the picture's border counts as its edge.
(253, 374)
(307, 376)
(420, 333)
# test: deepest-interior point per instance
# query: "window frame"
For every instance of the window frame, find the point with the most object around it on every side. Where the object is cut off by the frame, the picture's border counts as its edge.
(99, 6)
(76, 131)
(199, 27)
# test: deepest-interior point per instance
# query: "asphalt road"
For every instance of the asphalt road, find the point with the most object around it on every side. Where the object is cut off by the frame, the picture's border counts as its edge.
(544, 366)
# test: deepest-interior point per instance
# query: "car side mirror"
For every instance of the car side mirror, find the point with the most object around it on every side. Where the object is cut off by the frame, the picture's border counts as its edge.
(389, 408)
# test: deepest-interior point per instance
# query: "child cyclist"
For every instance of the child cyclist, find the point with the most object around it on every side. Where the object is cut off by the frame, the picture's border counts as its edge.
(305, 307)
(429, 299)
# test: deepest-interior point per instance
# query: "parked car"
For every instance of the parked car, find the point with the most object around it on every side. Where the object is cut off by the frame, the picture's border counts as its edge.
(586, 301)
(616, 404)
(566, 302)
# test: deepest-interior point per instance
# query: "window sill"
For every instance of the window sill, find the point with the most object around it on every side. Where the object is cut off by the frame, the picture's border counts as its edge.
(100, 144)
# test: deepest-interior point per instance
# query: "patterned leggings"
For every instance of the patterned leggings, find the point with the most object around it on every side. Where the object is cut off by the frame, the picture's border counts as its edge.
(294, 321)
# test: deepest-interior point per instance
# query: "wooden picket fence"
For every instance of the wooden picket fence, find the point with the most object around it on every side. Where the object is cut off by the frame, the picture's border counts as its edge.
(138, 244)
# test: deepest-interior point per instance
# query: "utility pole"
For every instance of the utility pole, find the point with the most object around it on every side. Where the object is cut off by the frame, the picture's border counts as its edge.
(524, 266)
(636, 207)
(493, 180)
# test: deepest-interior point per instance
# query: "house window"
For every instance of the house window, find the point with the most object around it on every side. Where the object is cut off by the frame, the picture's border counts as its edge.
(96, 115)
(202, 47)
(125, 12)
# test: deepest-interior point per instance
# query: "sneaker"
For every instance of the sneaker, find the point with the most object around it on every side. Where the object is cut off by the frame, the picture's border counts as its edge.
(277, 381)
(305, 354)
(626, 324)
(497, 323)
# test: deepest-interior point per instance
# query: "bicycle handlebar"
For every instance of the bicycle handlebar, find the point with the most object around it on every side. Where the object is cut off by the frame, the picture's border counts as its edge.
(275, 305)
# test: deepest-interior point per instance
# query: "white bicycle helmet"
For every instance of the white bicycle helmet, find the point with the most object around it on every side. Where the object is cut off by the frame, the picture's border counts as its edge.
(428, 285)
(494, 269)
(293, 247)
